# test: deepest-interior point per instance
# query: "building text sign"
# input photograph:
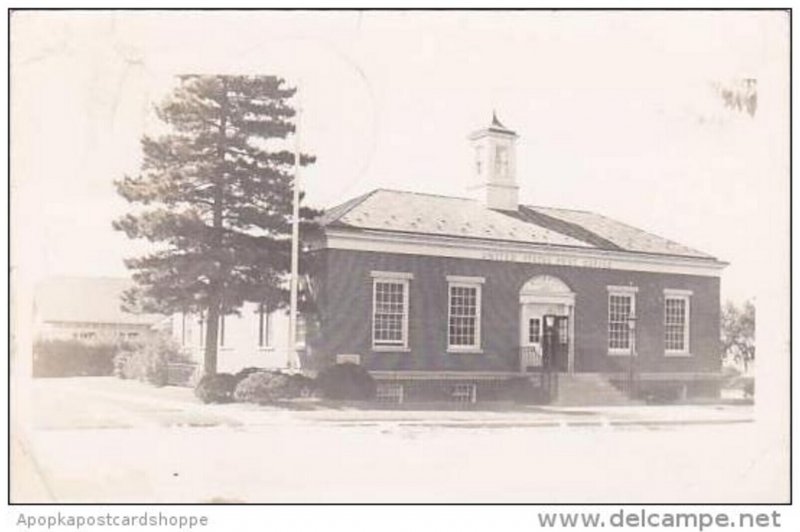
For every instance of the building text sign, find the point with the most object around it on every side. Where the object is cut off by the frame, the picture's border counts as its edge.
(430, 247)
(550, 260)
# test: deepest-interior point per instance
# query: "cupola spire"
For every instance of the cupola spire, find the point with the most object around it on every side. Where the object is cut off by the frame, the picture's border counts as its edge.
(495, 121)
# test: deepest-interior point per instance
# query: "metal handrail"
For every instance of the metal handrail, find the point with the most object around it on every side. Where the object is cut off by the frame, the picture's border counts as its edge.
(530, 356)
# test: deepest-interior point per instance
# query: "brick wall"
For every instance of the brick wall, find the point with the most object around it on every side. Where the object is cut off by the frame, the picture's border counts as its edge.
(345, 313)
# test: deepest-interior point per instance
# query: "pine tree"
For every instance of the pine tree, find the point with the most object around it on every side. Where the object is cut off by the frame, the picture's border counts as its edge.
(214, 195)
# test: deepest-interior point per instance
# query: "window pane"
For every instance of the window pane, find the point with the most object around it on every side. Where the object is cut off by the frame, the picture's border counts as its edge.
(389, 392)
(563, 330)
(501, 161)
(462, 329)
(389, 313)
(464, 393)
(619, 310)
(534, 330)
(301, 330)
(675, 324)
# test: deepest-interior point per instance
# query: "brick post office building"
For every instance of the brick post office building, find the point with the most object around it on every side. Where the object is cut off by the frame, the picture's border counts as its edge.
(441, 296)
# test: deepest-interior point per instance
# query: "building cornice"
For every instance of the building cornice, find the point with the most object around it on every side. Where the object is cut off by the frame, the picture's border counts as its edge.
(517, 252)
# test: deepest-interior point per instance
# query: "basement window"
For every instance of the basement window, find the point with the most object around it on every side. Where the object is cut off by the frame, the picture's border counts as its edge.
(389, 392)
(464, 393)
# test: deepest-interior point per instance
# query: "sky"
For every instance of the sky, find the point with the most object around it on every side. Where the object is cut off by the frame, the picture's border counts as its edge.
(616, 112)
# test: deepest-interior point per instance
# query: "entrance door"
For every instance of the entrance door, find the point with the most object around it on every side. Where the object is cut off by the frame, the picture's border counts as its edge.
(555, 342)
(544, 337)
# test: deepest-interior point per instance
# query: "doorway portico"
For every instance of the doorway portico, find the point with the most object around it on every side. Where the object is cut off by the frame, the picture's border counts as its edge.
(547, 309)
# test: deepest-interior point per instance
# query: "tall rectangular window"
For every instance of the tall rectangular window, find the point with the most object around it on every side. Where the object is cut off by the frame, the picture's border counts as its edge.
(201, 325)
(221, 331)
(621, 316)
(464, 313)
(264, 326)
(501, 161)
(301, 330)
(563, 330)
(390, 310)
(676, 322)
(534, 330)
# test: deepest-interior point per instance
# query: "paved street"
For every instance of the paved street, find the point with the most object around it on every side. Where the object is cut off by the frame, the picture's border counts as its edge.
(106, 440)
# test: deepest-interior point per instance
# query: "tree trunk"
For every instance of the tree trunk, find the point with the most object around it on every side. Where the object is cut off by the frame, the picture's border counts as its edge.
(218, 283)
(212, 335)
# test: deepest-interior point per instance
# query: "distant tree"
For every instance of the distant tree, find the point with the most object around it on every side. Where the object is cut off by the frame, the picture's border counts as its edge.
(739, 95)
(215, 196)
(738, 333)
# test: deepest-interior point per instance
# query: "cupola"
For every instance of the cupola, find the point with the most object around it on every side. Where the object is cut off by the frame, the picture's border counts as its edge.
(495, 165)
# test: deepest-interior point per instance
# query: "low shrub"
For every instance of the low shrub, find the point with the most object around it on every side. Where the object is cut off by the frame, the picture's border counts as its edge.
(346, 382)
(124, 367)
(745, 383)
(243, 373)
(264, 387)
(730, 372)
(71, 358)
(146, 361)
(303, 386)
(216, 388)
(256, 387)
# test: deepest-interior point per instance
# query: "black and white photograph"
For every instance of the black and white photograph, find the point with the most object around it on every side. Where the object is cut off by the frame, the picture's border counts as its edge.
(399, 256)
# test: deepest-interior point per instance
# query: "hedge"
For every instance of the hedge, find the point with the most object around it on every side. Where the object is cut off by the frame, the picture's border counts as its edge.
(71, 358)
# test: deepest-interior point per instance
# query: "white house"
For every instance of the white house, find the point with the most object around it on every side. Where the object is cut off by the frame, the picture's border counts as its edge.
(253, 338)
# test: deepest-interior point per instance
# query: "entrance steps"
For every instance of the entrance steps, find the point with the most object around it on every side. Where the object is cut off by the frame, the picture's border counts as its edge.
(589, 389)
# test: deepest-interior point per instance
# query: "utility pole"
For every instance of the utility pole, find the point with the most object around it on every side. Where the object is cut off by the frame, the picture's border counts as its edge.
(292, 351)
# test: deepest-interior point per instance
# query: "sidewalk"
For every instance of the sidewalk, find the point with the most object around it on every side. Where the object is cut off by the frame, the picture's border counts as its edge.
(178, 406)
(107, 440)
